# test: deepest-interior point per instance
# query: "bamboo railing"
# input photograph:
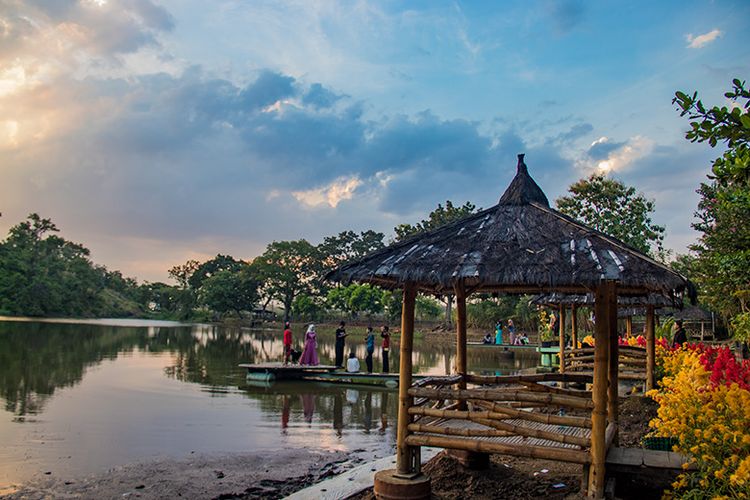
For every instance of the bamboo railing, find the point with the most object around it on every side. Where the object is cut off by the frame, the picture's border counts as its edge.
(503, 406)
(631, 361)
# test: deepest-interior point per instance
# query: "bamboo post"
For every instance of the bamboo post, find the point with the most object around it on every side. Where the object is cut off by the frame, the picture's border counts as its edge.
(605, 292)
(650, 347)
(562, 338)
(460, 292)
(629, 326)
(613, 401)
(574, 326)
(405, 454)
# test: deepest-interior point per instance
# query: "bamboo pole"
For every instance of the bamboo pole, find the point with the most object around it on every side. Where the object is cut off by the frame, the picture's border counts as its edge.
(613, 400)
(624, 358)
(540, 377)
(574, 326)
(561, 313)
(627, 364)
(544, 418)
(404, 454)
(533, 386)
(650, 348)
(629, 326)
(632, 351)
(497, 412)
(548, 453)
(604, 293)
(629, 375)
(460, 292)
(454, 431)
(582, 403)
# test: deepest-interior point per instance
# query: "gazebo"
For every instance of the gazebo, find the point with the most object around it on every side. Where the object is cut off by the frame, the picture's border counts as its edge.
(627, 308)
(520, 245)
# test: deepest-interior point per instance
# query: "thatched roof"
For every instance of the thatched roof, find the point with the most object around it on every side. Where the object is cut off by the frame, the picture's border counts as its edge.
(652, 299)
(520, 245)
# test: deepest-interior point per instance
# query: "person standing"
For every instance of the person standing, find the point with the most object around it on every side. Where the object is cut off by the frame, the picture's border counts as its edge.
(386, 335)
(310, 353)
(512, 332)
(499, 332)
(340, 341)
(680, 336)
(287, 342)
(370, 344)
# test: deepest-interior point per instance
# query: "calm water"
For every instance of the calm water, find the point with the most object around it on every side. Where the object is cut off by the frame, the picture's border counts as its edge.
(81, 397)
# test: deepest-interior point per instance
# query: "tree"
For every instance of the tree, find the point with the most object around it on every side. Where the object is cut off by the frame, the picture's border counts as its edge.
(348, 245)
(228, 290)
(355, 299)
(286, 269)
(210, 267)
(613, 208)
(722, 253)
(438, 217)
(42, 274)
(722, 125)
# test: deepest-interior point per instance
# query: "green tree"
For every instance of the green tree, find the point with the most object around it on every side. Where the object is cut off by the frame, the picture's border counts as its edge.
(721, 266)
(230, 290)
(613, 208)
(287, 269)
(210, 267)
(439, 217)
(722, 125)
(42, 274)
(355, 299)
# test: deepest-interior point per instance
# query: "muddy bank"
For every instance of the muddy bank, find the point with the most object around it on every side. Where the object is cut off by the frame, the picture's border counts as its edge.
(273, 474)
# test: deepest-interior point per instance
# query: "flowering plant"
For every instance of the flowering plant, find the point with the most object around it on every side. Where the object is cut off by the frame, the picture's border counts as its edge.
(704, 403)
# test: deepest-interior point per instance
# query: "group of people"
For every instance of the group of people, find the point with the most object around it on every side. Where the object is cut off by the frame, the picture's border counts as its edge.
(309, 355)
(510, 329)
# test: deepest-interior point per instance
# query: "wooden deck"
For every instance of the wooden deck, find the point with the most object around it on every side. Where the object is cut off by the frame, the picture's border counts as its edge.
(280, 371)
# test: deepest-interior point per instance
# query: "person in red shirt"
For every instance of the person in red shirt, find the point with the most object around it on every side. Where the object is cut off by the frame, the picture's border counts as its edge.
(287, 342)
(386, 346)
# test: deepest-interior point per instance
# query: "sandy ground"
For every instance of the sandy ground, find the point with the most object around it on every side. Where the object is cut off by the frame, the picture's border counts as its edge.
(226, 476)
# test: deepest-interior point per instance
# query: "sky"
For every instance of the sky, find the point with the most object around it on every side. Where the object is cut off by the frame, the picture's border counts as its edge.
(157, 131)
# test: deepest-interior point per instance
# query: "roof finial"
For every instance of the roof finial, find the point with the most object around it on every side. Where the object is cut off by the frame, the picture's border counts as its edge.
(522, 189)
(521, 164)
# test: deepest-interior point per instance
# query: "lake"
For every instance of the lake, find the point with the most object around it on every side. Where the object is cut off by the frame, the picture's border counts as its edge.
(80, 397)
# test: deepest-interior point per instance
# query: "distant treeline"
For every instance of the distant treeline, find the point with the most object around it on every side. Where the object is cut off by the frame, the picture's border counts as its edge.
(42, 274)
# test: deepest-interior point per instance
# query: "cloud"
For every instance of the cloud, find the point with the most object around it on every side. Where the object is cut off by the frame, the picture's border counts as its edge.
(606, 156)
(331, 195)
(700, 41)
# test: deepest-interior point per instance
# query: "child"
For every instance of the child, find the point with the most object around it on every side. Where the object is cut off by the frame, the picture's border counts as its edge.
(352, 364)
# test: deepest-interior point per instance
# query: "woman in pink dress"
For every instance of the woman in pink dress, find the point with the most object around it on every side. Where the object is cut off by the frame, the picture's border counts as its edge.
(310, 352)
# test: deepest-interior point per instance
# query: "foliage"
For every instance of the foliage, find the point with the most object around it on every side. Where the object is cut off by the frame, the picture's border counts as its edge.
(427, 308)
(665, 329)
(307, 307)
(615, 209)
(544, 328)
(439, 217)
(741, 327)
(287, 269)
(356, 299)
(722, 263)
(230, 290)
(727, 125)
(211, 267)
(42, 274)
(704, 403)
(347, 246)
(485, 312)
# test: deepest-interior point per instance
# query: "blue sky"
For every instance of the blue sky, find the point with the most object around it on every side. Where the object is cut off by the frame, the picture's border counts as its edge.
(156, 131)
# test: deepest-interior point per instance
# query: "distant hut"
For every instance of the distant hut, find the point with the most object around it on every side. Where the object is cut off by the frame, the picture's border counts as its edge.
(520, 245)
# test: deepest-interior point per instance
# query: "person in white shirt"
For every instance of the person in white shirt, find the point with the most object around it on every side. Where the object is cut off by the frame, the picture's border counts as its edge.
(352, 364)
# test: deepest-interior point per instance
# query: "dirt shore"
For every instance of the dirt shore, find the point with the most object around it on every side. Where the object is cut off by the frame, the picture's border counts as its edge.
(269, 475)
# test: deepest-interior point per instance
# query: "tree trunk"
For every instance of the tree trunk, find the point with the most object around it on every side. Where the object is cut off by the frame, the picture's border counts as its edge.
(449, 309)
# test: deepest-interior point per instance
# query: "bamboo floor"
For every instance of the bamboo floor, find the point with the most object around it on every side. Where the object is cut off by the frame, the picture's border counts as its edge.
(512, 440)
